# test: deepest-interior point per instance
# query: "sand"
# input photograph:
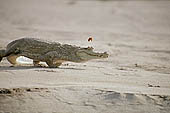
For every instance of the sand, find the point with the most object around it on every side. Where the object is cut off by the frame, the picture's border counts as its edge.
(134, 79)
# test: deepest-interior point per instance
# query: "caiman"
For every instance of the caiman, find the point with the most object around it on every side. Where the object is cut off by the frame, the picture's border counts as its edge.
(53, 53)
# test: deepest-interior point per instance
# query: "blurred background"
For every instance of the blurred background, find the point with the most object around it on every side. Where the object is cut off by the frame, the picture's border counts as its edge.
(78, 19)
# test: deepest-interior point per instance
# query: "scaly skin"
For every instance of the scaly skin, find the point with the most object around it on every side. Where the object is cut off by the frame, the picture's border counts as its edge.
(53, 53)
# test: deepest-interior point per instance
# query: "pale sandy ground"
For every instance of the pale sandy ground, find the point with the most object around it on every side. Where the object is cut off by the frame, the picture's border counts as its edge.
(134, 79)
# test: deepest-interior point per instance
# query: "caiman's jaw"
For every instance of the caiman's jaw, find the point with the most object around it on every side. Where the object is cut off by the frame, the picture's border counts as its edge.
(88, 54)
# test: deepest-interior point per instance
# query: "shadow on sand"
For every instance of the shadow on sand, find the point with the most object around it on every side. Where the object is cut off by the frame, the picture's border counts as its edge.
(7, 68)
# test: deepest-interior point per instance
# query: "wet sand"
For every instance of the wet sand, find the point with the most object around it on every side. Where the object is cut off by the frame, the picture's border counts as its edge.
(134, 79)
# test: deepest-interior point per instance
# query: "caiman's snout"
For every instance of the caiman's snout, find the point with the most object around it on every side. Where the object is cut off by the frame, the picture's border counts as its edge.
(101, 55)
(104, 55)
(86, 54)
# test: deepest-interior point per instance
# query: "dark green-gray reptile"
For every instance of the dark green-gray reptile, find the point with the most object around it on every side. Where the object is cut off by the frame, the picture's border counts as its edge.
(53, 53)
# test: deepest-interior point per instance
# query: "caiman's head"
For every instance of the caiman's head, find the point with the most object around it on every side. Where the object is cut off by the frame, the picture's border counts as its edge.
(86, 54)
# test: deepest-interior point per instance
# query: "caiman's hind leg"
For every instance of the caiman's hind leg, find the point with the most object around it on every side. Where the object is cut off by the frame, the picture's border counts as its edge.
(53, 64)
(12, 59)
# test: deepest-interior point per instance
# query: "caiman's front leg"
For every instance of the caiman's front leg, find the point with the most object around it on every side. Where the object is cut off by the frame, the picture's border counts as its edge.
(53, 59)
(53, 64)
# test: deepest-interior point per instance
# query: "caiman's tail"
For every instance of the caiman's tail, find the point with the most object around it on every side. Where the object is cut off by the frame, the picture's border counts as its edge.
(2, 54)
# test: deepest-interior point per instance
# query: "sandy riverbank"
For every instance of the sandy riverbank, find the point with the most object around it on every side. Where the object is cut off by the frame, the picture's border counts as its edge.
(134, 79)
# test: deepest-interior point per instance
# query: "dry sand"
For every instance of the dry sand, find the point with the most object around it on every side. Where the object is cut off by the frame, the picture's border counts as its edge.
(134, 79)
